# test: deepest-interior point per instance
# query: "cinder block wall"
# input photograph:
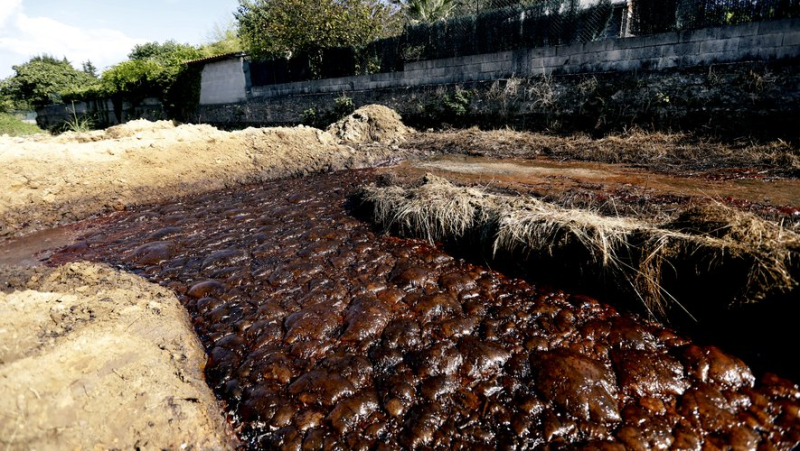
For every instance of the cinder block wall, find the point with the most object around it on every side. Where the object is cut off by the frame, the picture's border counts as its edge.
(100, 112)
(757, 41)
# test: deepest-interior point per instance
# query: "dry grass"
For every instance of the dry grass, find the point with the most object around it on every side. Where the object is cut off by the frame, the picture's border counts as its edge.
(661, 151)
(635, 253)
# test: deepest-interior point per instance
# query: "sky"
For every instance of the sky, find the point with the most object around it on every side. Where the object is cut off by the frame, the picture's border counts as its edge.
(103, 31)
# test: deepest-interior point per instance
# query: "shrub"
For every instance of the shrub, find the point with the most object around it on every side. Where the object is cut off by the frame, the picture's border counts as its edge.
(12, 126)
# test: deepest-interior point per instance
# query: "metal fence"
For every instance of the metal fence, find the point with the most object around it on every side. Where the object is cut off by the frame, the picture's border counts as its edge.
(501, 25)
(656, 16)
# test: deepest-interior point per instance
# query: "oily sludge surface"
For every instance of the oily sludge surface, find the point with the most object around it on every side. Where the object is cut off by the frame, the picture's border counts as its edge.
(323, 334)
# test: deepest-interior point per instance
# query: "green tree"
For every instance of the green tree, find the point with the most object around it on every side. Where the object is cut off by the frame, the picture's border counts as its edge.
(222, 40)
(428, 10)
(135, 80)
(282, 28)
(89, 68)
(170, 54)
(152, 70)
(43, 80)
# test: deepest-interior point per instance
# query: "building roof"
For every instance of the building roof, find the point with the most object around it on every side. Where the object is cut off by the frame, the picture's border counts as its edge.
(211, 59)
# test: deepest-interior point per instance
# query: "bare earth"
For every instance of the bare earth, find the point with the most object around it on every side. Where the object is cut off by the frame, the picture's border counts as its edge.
(94, 358)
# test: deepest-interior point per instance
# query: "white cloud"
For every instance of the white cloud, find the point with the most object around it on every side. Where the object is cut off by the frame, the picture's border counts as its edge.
(8, 9)
(22, 37)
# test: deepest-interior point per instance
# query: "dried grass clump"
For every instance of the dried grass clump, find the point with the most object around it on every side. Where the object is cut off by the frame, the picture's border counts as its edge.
(700, 240)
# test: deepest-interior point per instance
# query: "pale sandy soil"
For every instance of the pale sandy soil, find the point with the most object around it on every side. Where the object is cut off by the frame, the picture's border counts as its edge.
(92, 358)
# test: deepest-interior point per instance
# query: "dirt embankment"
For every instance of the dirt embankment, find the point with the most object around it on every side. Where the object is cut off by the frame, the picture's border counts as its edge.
(51, 181)
(95, 358)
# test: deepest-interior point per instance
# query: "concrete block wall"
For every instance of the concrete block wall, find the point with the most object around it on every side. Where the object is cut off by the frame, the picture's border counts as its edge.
(759, 41)
(100, 112)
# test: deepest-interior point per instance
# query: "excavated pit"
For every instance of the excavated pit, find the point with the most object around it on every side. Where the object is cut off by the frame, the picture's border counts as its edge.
(322, 334)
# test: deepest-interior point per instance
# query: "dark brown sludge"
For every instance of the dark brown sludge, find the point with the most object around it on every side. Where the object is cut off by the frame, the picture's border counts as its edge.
(322, 335)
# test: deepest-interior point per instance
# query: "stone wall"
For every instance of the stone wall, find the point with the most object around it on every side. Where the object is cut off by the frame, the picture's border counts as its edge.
(740, 79)
(759, 41)
(735, 99)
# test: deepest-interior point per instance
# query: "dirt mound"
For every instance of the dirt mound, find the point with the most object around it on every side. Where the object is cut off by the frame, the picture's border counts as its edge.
(47, 182)
(95, 358)
(369, 124)
(133, 127)
(757, 258)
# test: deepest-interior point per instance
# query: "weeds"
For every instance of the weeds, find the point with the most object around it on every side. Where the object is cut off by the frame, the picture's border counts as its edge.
(12, 126)
(541, 92)
(344, 106)
(457, 103)
(76, 124)
(309, 117)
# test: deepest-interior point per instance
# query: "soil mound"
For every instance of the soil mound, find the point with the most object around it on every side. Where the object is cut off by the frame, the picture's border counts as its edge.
(137, 126)
(370, 124)
(104, 358)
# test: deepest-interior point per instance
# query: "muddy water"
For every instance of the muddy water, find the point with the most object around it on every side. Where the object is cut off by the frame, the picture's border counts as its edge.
(554, 175)
(323, 335)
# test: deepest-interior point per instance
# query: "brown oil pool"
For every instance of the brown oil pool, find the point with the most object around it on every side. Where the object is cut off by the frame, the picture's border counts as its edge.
(322, 334)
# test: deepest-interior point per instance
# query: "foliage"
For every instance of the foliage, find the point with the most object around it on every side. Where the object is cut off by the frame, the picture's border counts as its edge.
(544, 22)
(182, 96)
(135, 79)
(13, 126)
(283, 28)
(428, 10)
(457, 104)
(344, 106)
(89, 68)
(41, 81)
(223, 40)
(170, 54)
(153, 70)
(656, 16)
(309, 117)
(7, 101)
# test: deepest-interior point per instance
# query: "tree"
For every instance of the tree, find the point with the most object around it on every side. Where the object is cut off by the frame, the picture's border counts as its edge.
(222, 40)
(43, 79)
(282, 28)
(428, 10)
(168, 54)
(89, 68)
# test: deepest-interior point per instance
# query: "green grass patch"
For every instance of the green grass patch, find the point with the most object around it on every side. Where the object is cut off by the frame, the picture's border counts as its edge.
(10, 125)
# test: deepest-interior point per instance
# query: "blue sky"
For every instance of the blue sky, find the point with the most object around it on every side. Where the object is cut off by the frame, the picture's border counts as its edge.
(103, 31)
